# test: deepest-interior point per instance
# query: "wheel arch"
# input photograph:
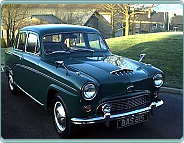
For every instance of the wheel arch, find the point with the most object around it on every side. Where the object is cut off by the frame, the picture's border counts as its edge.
(8, 70)
(50, 96)
(66, 96)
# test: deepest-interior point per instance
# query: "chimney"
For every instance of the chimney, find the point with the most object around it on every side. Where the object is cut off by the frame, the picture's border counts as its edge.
(149, 13)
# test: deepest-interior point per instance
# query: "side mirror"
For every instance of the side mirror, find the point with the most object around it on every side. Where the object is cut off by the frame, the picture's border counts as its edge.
(58, 63)
(142, 57)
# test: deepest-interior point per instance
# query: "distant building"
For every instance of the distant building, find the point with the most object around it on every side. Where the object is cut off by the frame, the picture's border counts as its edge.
(176, 23)
(87, 18)
(78, 17)
(145, 23)
(148, 22)
(46, 18)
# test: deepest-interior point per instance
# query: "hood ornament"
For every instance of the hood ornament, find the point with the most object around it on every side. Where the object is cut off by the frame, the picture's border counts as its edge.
(142, 56)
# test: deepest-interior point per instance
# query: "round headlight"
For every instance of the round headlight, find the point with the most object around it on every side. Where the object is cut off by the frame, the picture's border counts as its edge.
(89, 91)
(158, 80)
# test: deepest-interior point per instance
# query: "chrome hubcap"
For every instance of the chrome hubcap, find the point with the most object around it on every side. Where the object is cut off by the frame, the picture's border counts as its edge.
(11, 82)
(60, 116)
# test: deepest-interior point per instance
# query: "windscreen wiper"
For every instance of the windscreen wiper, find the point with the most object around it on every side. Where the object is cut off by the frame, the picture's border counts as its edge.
(82, 50)
(55, 52)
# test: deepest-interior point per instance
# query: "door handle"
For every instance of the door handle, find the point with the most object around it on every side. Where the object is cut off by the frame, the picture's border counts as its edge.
(20, 58)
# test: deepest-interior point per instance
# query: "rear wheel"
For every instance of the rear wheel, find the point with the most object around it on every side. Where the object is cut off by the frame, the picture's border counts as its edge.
(13, 88)
(61, 117)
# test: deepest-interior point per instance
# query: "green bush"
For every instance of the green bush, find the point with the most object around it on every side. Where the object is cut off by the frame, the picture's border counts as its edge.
(3, 43)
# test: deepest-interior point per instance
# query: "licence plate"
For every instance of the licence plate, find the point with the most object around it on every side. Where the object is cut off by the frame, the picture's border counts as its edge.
(132, 120)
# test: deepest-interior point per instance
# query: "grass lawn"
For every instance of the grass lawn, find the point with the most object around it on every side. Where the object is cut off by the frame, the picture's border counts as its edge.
(163, 50)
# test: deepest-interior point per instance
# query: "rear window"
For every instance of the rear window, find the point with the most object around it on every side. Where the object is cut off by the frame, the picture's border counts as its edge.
(21, 41)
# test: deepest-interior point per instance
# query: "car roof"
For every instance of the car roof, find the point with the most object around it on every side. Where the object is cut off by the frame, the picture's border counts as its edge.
(57, 28)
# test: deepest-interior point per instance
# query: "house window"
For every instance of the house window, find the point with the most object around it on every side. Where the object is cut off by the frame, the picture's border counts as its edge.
(144, 25)
(175, 28)
(154, 26)
(162, 26)
(137, 25)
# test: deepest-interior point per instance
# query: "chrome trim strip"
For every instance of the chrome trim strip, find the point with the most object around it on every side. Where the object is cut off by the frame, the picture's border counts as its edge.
(38, 72)
(100, 119)
(17, 55)
(29, 95)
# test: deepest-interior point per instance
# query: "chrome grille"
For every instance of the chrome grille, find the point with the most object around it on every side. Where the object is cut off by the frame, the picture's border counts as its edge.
(127, 104)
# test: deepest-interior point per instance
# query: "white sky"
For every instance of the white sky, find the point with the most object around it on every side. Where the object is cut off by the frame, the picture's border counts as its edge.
(171, 8)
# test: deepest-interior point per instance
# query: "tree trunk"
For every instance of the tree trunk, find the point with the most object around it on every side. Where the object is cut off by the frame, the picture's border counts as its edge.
(112, 24)
(127, 26)
(8, 37)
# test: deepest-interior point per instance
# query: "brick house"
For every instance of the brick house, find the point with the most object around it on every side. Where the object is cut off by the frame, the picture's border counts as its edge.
(149, 22)
(176, 23)
(143, 23)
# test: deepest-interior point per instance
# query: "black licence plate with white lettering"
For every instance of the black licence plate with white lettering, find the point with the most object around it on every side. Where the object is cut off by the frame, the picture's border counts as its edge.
(132, 120)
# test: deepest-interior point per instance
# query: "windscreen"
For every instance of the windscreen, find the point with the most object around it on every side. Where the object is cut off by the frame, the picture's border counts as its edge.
(73, 41)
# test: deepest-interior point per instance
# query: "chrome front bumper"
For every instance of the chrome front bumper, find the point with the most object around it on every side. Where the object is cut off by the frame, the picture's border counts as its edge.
(117, 116)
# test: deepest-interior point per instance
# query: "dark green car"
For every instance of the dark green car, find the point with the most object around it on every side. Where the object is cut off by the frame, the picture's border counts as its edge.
(70, 71)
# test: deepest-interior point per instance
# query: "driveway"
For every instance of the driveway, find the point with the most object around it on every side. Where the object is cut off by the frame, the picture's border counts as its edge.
(22, 118)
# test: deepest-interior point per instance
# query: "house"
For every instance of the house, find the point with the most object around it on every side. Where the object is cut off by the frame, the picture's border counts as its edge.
(77, 17)
(147, 22)
(176, 23)
(46, 19)
(98, 22)
(87, 18)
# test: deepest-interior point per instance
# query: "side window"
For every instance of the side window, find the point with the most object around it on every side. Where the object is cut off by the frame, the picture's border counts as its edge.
(21, 41)
(32, 43)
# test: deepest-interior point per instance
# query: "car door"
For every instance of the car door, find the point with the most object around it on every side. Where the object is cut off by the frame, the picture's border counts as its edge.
(16, 58)
(30, 60)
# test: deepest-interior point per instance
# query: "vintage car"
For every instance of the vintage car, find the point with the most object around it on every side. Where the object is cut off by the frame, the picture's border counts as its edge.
(70, 71)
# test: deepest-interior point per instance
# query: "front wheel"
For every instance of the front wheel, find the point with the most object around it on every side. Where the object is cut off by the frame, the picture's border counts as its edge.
(61, 117)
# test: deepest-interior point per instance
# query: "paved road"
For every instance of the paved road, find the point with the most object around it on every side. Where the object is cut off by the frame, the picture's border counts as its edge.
(22, 118)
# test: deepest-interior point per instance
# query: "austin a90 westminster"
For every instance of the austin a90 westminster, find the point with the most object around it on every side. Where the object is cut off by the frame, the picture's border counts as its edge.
(70, 71)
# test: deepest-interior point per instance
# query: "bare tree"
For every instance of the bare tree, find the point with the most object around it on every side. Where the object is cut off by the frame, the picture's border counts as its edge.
(112, 9)
(129, 10)
(11, 18)
(126, 12)
(69, 13)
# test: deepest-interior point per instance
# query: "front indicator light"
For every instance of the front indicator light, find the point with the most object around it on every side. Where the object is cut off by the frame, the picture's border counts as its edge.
(155, 94)
(87, 108)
